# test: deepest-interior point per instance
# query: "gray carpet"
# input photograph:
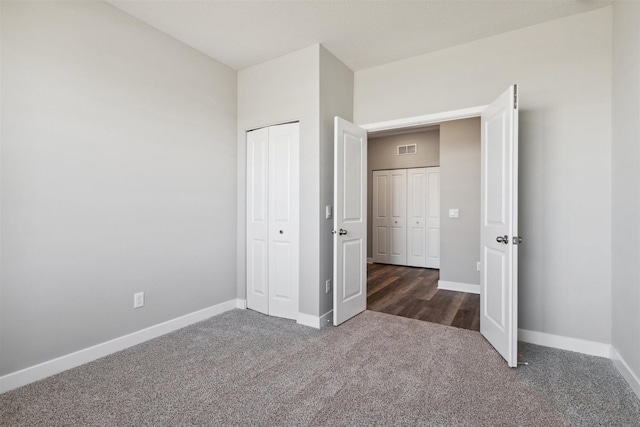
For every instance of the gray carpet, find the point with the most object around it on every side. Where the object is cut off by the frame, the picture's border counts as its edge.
(243, 368)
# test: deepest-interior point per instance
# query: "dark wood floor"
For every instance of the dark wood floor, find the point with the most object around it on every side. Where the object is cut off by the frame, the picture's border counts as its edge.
(413, 292)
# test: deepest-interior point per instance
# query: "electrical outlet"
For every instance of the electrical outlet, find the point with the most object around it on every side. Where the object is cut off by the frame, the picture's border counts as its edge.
(478, 266)
(138, 300)
(327, 286)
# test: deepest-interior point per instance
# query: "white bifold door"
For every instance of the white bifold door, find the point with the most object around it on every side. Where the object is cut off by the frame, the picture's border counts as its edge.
(423, 217)
(390, 216)
(406, 217)
(273, 220)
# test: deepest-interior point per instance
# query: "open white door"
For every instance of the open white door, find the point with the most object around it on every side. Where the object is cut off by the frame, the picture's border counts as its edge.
(350, 221)
(499, 226)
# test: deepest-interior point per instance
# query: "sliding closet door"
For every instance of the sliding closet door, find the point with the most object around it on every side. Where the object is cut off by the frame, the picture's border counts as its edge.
(283, 220)
(433, 217)
(272, 220)
(416, 217)
(380, 217)
(258, 220)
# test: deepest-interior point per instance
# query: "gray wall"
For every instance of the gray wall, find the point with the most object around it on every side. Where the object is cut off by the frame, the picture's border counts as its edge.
(626, 182)
(311, 86)
(382, 154)
(563, 68)
(118, 174)
(336, 99)
(460, 189)
(283, 90)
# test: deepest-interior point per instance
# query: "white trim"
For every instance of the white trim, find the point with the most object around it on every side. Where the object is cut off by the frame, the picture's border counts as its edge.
(591, 348)
(241, 304)
(309, 320)
(369, 260)
(80, 357)
(459, 287)
(625, 371)
(446, 116)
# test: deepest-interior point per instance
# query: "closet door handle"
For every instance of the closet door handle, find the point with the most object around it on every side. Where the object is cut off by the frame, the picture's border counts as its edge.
(342, 232)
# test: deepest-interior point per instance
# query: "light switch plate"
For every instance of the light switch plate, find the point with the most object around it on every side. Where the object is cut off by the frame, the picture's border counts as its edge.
(454, 213)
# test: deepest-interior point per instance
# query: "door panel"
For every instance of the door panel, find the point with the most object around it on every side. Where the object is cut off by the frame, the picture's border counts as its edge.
(433, 217)
(380, 216)
(499, 226)
(398, 217)
(416, 217)
(257, 220)
(283, 220)
(350, 221)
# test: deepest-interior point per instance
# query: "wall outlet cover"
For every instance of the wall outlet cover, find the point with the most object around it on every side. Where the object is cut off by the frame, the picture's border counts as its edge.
(138, 300)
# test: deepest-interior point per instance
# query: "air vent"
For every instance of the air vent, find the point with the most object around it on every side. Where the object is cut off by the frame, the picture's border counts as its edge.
(403, 150)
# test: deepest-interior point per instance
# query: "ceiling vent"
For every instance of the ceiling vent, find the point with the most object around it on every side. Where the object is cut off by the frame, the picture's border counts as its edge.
(403, 150)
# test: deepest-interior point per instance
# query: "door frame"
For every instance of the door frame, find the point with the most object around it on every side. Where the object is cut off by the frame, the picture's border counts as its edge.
(428, 119)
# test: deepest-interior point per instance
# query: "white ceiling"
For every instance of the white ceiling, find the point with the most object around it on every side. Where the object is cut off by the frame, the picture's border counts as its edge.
(362, 33)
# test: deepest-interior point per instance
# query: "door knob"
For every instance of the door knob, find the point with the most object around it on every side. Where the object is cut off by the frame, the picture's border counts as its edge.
(281, 232)
(503, 239)
(342, 232)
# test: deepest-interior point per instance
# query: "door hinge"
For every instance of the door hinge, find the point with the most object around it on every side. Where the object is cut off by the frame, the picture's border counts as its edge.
(515, 97)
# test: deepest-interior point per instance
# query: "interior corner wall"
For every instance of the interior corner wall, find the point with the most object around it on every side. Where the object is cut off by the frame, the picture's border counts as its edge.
(336, 99)
(278, 91)
(118, 176)
(626, 183)
(563, 69)
(460, 189)
(382, 154)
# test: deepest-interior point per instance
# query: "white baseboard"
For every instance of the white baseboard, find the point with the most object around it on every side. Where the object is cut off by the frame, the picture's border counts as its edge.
(625, 371)
(369, 260)
(241, 304)
(315, 321)
(458, 287)
(68, 361)
(308, 320)
(591, 348)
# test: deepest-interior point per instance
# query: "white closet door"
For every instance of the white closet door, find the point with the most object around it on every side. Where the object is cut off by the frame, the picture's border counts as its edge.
(283, 220)
(273, 220)
(433, 217)
(258, 220)
(380, 217)
(416, 217)
(398, 217)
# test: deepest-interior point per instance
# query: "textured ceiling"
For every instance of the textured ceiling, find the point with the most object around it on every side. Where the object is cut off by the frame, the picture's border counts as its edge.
(362, 33)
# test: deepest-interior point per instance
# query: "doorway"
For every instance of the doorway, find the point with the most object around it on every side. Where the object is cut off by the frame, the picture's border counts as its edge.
(447, 293)
(499, 237)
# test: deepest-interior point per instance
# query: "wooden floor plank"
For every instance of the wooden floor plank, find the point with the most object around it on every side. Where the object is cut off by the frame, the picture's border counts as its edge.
(413, 292)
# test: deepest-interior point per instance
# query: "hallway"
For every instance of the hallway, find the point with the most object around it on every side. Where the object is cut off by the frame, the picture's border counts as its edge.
(413, 292)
